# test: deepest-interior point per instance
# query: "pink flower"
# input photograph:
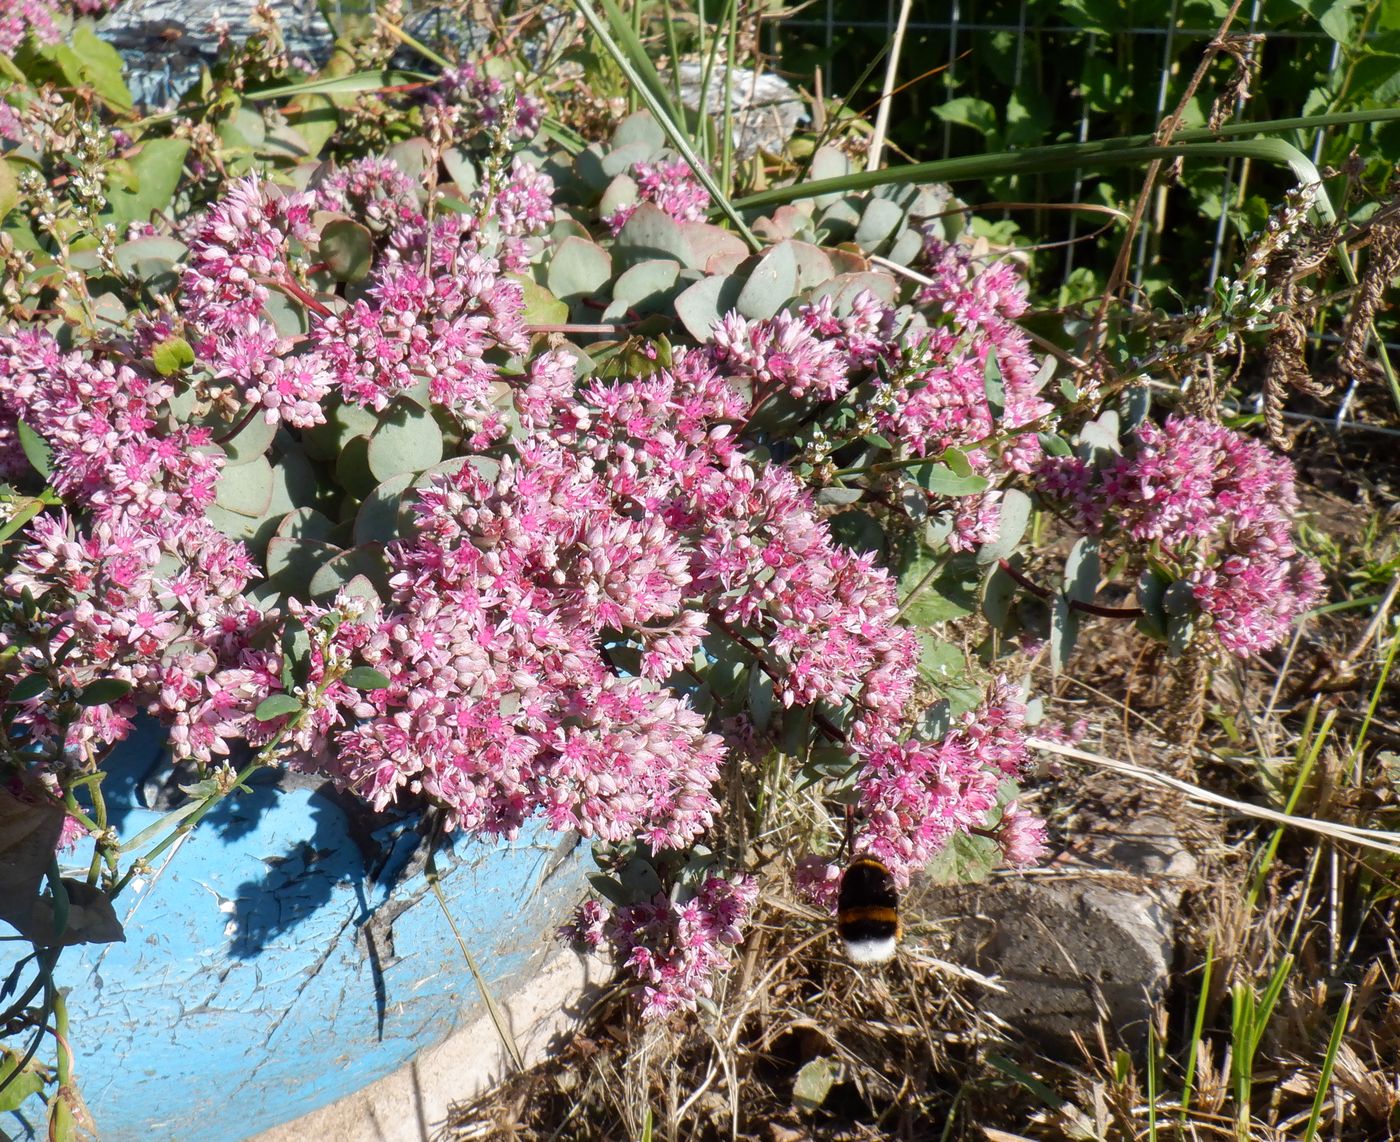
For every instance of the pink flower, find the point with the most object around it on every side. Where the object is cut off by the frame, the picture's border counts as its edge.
(1021, 835)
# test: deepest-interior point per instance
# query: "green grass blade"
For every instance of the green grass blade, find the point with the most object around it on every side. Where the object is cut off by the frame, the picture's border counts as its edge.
(1329, 1061)
(1188, 1085)
(639, 59)
(673, 130)
(1040, 160)
(341, 84)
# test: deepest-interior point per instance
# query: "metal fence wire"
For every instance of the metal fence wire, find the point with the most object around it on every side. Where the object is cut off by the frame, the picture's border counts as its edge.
(1001, 74)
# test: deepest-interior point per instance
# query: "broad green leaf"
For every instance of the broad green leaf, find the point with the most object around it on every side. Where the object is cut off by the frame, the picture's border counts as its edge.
(293, 562)
(171, 356)
(771, 285)
(407, 440)
(339, 84)
(250, 441)
(1082, 570)
(27, 688)
(36, 449)
(813, 1083)
(347, 248)
(378, 517)
(9, 189)
(942, 480)
(100, 66)
(701, 305)
(158, 167)
(1014, 512)
(366, 678)
(964, 860)
(578, 269)
(103, 691)
(246, 489)
(277, 706)
(651, 233)
(950, 594)
(16, 1086)
(366, 560)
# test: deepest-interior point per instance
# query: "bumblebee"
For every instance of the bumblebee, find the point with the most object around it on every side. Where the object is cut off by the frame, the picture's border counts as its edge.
(867, 912)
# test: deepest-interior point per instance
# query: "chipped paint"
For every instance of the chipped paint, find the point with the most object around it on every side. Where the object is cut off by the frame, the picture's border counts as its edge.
(266, 973)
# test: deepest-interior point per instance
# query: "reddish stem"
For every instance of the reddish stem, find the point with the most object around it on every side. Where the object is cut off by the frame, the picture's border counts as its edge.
(1074, 604)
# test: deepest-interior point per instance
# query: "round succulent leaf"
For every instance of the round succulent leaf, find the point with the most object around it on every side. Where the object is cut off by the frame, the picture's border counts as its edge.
(644, 287)
(352, 470)
(813, 265)
(149, 258)
(880, 219)
(639, 127)
(651, 233)
(286, 314)
(293, 562)
(1014, 515)
(367, 560)
(413, 157)
(250, 441)
(620, 159)
(771, 284)
(701, 305)
(378, 517)
(246, 488)
(717, 251)
(908, 244)
(622, 191)
(407, 439)
(171, 356)
(343, 421)
(845, 288)
(541, 306)
(462, 168)
(294, 483)
(232, 524)
(839, 220)
(578, 269)
(828, 162)
(306, 523)
(347, 248)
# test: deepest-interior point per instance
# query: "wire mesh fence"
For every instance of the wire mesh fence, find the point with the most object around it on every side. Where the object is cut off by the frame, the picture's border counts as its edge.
(1007, 74)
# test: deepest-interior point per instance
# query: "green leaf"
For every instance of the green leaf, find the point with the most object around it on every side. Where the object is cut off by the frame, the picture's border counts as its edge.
(246, 489)
(646, 288)
(652, 233)
(16, 1086)
(171, 356)
(9, 189)
(36, 450)
(339, 84)
(942, 480)
(28, 687)
(366, 560)
(292, 562)
(1015, 514)
(578, 269)
(1064, 631)
(347, 248)
(407, 440)
(157, 168)
(771, 285)
(100, 66)
(366, 678)
(276, 706)
(251, 441)
(1082, 570)
(964, 860)
(950, 594)
(378, 517)
(813, 1083)
(103, 691)
(978, 114)
(701, 305)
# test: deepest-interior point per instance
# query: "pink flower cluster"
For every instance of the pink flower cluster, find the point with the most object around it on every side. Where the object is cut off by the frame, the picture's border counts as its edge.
(674, 951)
(1216, 503)
(239, 253)
(916, 795)
(811, 351)
(431, 317)
(476, 99)
(671, 186)
(22, 19)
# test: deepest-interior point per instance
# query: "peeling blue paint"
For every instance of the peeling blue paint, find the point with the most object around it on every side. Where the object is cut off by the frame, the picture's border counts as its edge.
(266, 972)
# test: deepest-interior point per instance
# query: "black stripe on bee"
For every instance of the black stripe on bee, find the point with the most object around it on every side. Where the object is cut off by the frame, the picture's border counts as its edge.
(867, 911)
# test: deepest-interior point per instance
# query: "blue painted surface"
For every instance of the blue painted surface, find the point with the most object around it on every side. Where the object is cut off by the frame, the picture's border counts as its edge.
(265, 973)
